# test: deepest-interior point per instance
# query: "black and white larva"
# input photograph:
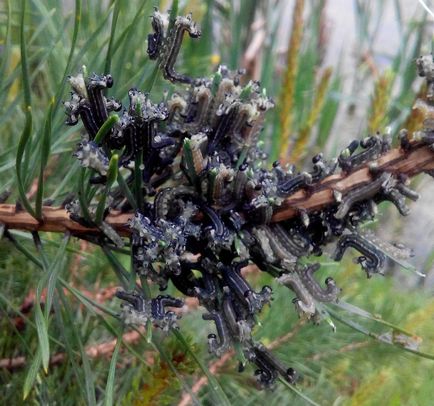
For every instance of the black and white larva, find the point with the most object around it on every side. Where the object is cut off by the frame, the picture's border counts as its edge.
(372, 259)
(172, 46)
(361, 193)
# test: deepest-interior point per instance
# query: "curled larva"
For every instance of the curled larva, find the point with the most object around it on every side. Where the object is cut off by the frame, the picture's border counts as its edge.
(264, 245)
(201, 98)
(173, 46)
(220, 345)
(176, 107)
(306, 274)
(246, 114)
(372, 260)
(155, 40)
(288, 186)
(268, 363)
(291, 240)
(394, 196)
(278, 247)
(373, 147)
(193, 160)
(95, 86)
(361, 193)
(225, 123)
(240, 329)
(221, 191)
(322, 168)
(239, 184)
(395, 251)
(304, 303)
(255, 301)
(79, 107)
(407, 192)
(137, 310)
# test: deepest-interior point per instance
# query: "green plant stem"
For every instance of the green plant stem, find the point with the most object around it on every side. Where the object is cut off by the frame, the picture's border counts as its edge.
(45, 153)
(27, 131)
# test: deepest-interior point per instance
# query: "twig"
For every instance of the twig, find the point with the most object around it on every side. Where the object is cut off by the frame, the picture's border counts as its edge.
(213, 368)
(98, 350)
(26, 307)
(288, 336)
(397, 161)
(342, 350)
(93, 351)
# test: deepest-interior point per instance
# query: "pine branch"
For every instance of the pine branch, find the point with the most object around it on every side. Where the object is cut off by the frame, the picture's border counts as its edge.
(410, 162)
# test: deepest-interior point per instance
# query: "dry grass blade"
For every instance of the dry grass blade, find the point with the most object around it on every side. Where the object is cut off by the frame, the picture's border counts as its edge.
(416, 117)
(299, 149)
(288, 87)
(380, 103)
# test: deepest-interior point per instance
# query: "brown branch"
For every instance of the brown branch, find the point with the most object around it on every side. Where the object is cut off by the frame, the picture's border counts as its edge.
(419, 159)
(342, 350)
(397, 161)
(57, 219)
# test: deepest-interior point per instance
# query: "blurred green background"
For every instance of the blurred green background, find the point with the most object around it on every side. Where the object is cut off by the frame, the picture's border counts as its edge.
(337, 70)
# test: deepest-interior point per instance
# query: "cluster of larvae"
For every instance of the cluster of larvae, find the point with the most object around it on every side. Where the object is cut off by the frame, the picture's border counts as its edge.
(204, 198)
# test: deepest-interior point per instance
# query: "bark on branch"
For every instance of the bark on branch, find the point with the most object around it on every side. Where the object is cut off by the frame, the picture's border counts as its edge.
(418, 159)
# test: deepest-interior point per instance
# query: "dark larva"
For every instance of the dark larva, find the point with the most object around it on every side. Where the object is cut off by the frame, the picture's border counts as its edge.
(304, 304)
(329, 294)
(218, 346)
(155, 40)
(173, 46)
(362, 193)
(373, 259)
